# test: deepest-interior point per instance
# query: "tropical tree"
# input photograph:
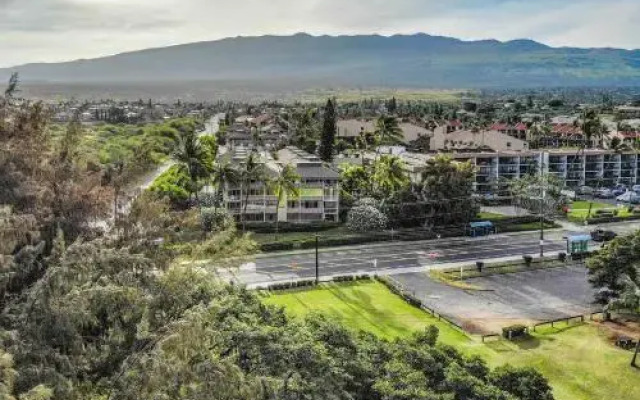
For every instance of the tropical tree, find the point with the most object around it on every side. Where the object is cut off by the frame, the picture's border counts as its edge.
(389, 175)
(364, 217)
(285, 186)
(355, 180)
(306, 130)
(364, 142)
(192, 158)
(329, 129)
(528, 190)
(253, 171)
(615, 270)
(447, 187)
(388, 130)
(592, 127)
(223, 174)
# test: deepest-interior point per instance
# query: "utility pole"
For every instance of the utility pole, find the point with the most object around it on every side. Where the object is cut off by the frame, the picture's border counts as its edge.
(317, 263)
(542, 199)
(635, 355)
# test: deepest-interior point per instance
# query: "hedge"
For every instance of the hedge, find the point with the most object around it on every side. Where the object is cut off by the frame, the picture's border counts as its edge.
(291, 285)
(284, 227)
(409, 298)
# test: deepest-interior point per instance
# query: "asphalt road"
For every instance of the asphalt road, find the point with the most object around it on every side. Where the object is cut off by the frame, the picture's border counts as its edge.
(389, 258)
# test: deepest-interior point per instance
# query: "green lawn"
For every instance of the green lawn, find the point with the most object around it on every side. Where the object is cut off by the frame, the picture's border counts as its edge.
(579, 361)
(580, 209)
(491, 216)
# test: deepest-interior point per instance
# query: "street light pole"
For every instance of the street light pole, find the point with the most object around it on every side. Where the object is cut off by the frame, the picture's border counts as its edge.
(317, 263)
(542, 199)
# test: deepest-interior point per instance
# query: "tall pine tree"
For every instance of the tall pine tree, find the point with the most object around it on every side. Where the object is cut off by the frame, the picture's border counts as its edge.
(328, 132)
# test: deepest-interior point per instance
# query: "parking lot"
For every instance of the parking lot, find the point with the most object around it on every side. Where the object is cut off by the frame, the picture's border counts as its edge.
(507, 299)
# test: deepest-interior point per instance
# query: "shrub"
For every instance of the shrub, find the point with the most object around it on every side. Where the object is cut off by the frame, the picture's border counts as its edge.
(213, 219)
(562, 257)
(174, 184)
(276, 246)
(514, 331)
(366, 201)
(366, 219)
(527, 260)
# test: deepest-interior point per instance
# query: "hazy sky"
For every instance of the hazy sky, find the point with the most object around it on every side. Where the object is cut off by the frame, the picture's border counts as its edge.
(56, 30)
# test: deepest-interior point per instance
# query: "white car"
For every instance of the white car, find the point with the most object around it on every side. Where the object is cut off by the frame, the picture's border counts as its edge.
(635, 188)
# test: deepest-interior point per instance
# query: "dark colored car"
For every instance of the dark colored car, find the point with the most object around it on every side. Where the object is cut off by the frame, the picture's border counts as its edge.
(601, 235)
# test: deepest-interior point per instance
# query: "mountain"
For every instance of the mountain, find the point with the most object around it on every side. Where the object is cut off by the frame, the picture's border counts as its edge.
(367, 60)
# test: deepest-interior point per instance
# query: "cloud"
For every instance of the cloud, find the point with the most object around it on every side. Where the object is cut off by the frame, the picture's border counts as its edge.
(55, 30)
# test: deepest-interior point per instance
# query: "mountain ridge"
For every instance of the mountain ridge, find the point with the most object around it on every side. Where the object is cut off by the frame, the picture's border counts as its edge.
(417, 60)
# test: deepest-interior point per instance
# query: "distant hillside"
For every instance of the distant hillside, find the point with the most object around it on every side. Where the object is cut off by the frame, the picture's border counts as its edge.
(399, 61)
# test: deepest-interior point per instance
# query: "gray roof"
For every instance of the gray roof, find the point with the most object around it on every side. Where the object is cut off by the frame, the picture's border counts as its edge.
(313, 171)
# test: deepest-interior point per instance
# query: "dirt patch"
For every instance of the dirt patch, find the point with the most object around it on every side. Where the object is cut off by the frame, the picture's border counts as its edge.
(621, 326)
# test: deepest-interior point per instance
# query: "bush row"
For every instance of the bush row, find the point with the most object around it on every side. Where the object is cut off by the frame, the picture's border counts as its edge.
(408, 297)
(285, 227)
(604, 220)
(351, 278)
(291, 285)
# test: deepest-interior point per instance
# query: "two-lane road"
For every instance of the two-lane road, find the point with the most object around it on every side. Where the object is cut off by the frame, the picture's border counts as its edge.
(389, 258)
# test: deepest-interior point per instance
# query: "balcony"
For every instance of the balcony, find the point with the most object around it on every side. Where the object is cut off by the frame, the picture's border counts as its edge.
(486, 171)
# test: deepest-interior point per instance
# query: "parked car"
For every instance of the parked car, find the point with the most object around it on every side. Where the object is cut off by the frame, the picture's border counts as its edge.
(635, 188)
(604, 194)
(619, 190)
(601, 235)
(586, 190)
(629, 197)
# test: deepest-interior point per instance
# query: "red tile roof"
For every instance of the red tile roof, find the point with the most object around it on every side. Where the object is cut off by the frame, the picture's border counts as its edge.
(566, 130)
(505, 127)
(499, 127)
(630, 135)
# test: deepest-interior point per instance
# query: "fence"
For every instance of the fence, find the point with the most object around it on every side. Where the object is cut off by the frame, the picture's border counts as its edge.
(567, 320)
(397, 288)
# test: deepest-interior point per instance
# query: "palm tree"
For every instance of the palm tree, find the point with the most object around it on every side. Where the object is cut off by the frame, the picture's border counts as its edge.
(286, 184)
(592, 126)
(390, 175)
(253, 171)
(388, 130)
(363, 141)
(223, 174)
(191, 157)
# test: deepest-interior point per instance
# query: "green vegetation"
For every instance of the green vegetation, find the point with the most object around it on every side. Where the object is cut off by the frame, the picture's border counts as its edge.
(580, 209)
(367, 306)
(487, 216)
(579, 361)
(174, 184)
(353, 95)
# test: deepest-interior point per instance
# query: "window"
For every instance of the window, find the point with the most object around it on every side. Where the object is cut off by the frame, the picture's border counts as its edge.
(310, 204)
(508, 144)
(292, 204)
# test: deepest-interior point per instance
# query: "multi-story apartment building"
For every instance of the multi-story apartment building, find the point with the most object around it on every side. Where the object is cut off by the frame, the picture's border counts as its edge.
(319, 190)
(595, 168)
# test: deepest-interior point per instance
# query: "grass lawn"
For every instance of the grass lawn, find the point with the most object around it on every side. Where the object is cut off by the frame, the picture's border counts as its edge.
(580, 209)
(490, 216)
(579, 361)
